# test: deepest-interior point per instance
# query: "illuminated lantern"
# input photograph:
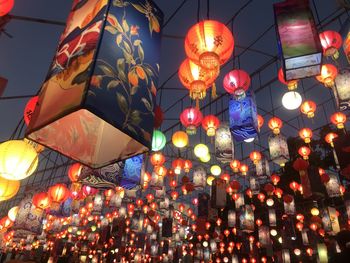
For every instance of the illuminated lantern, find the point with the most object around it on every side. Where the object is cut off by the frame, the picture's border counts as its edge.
(187, 166)
(108, 194)
(8, 188)
(209, 43)
(157, 159)
(328, 75)
(306, 134)
(262, 166)
(331, 41)
(338, 119)
(6, 6)
(191, 118)
(294, 186)
(291, 100)
(41, 201)
(304, 151)
(74, 172)
(292, 84)
(104, 101)
(260, 121)
(210, 180)
(12, 213)
(255, 157)
(180, 139)
(275, 124)
(89, 191)
(223, 144)
(177, 165)
(235, 165)
(301, 166)
(341, 89)
(158, 141)
(215, 170)
(29, 109)
(160, 170)
(58, 193)
(302, 55)
(201, 150)
(158, 117)
(243, 169)
(18, 160)
(308, 108)
(196, 79)
(243, 117)
(330, 137)
(199, 177)
(247, 218)
(237, 82)
(275, 179)
(210, 123)
(278, 149)
(5, 223)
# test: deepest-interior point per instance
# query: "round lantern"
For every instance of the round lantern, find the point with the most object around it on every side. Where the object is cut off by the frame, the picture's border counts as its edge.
(330, 137)
(255, 156)
(177, 165)
(215, 170)
(58, 193)
(292, 84)
(304, 151)
(331, 41)
(201, 150)
(260, 121)
(291, 100)
(237, 82)
(8, 188)
(158, 116)
(196, 79)
(338, 119)
(41, 201)
(205, 158)
(275, 124)
(180, 139)
(191, 118)
(157, 159)
(158, 140)
(160, 170)
(209, 43)
(328, 75)
(88, 190)
(187, 165)
(12, 213)
(29, 108)
(275, 179)
(243, 169)
(6, 6)
(74, 172)
(210, 123)
(306, 134)
(235, 165)
(18, 160)
(5, 223)
(308, 108)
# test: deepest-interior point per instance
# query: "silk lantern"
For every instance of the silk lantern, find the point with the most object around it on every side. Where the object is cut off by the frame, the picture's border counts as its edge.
(298, 39)
(224, 149)
(191, 118)
(243, 118)
(278, 149)
(341, 89)
(104, 76)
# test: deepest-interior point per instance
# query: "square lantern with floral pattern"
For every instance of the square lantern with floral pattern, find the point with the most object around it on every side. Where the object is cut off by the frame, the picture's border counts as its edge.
(97, 103)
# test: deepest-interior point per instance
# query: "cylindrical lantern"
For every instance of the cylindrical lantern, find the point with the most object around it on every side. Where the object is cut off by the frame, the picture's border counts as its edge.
(341, 89)
(224, 149)
(278, 149)
(247, 218)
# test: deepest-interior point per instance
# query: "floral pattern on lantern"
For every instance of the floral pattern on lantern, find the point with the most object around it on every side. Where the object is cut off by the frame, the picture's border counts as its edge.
(199, 177)
(341, 89)
(278, 149)
(224, 149)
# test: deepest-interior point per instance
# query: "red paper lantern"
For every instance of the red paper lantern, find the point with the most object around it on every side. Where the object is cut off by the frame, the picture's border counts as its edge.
(255, 156)
(88, 190)
(235, 185)
(58, 193)
(328, 74)
(235, 165)
(308, 108)
(306, 134)
(74, 172)
(41, 201)
(330, 137)
(260, 121)
(6, 6)
(158, 116)
(275, 124)
(210, 123)
(30, 106)
(304, 151)
(191, 118)
(338, 119)
(161, 170)
(331, 41)
(237, 82)
(300, 165)
(269, 189)
(157, 159)
(288, 198)
(177, 165)
(187, 165)
(243, 169)
(209, 43)
(292, 84)
(275, 179)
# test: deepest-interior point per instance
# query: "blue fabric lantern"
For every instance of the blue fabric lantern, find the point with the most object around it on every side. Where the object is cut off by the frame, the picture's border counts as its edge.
(132, 172)
(243, 117)
(96, 105)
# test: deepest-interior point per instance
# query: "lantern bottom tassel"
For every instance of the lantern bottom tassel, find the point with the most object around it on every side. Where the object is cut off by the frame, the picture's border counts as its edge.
(213, 91)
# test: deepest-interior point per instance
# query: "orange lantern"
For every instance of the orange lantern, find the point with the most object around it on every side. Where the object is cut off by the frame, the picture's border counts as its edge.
(177, 165)
(330, 137)
(292, 84)
(308, 108)
(157, 159)
(260, 121)
(174, 195)
(187, 165)
(5, 223)
(306, 134)
(338, 119)
(196, 79)
(235, 165)
(275, 179)
(108, 194)
(275, 124)
(41, 201)
(255, 156)
(8, 188)
(243, 169)
(74, 172)
(331, 41)
(209, 43)
(180, 139)
(294, 186)
(210, 123)
(328, 74)
(160, 170)
(58, 193)
(6, 6)
(304, 151)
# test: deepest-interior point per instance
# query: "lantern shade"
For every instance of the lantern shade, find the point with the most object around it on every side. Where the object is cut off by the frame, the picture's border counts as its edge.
(243, 118)
(224, 149)
(298, 39)
(29, 109)
(342, 89)
(8, 188)
(278, 149)
(102, 84)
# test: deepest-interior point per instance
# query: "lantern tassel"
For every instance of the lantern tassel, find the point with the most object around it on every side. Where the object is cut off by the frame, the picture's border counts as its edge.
(197, 103)
(213, 91)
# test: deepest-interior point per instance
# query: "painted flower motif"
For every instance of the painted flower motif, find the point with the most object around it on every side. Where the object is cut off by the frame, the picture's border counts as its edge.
(134, 31)
(96, 81)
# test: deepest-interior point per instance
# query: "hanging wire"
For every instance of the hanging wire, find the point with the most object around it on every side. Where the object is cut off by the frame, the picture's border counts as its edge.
(198, 10)
(208, 8)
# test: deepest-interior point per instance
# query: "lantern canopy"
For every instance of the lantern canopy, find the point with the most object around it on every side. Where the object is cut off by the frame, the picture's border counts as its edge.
(224, 149)
(278, 149)
(96, 104)
(298, 39)
(341, 89)
(243, 118)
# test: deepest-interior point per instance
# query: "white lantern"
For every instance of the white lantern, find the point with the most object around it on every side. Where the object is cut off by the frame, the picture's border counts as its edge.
(291, 100)
(285, 256)
(231, 218)
(278, 149)
(213, 246)
(341, 89)
(263, 167)
(224, 149)
(199, 177)
(272, 217)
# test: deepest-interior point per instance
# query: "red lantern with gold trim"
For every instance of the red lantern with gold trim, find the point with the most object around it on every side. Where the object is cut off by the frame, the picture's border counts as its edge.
(210, 123)
(275, 124)
(331, 41)
(292, 84)
(328, 75)
(191, 118)
(338, 119)
(306, 134)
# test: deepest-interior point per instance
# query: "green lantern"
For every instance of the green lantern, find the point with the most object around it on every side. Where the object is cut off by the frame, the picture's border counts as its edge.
(158, 140)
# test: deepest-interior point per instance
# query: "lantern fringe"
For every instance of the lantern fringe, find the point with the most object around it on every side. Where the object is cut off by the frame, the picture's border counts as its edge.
(213, 91)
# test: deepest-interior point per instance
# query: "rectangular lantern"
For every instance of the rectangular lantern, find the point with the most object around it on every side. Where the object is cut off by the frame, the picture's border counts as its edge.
(341, 89)
(218, 193)
(247, 218)
(243, 117)
(96, 104)
(278, 149)
(224, 148)
(298, 39)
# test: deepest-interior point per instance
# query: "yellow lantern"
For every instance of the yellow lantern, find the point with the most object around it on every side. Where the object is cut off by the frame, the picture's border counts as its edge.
(210, 180)
(12, 213)
(18, 160)
(215, 170)
(201, 150)
(205, 158)
(8, 188)
(180, 139)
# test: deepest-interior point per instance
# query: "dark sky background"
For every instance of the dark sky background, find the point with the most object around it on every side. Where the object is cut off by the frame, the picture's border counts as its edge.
(25, 58)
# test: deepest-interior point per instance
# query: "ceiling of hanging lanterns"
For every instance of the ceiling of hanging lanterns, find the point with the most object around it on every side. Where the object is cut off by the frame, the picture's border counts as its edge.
(226, 181)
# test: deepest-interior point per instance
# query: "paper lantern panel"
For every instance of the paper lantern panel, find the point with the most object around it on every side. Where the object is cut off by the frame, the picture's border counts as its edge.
(341, 89)
(97, 103)
(224, 148)
(278, 149)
